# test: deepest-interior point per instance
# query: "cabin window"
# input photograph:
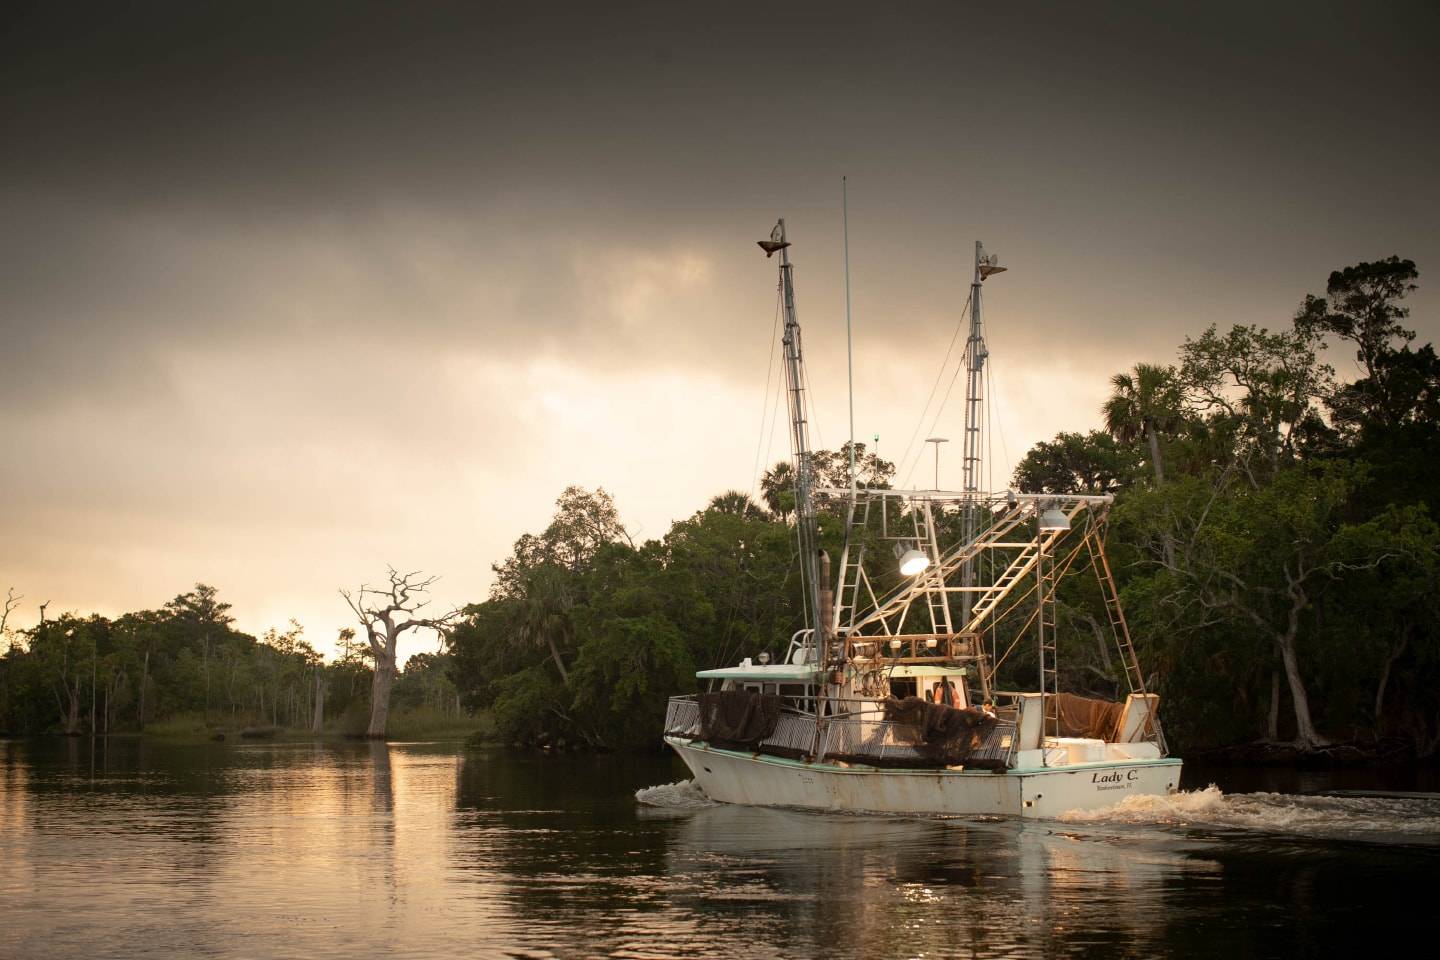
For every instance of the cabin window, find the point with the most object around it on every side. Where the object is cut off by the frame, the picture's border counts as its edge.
(902, 687)
(798, 696)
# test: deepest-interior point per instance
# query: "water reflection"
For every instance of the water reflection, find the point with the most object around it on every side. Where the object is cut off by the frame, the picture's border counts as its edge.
(326, 849)
(924, 887)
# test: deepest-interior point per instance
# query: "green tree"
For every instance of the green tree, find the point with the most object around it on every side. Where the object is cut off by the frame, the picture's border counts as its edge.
(777, 489)
(1091, 463)
(1364, 309)
(1260, 388)
(1144, 403)
(545, 606)
(207, 617)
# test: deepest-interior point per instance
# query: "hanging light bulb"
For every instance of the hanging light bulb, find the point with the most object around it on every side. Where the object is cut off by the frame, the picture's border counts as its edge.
(1054, 519)
(912, 561)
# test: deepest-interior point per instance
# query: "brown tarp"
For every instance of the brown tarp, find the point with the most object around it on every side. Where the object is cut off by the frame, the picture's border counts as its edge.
(738, 718)
(1084, 717)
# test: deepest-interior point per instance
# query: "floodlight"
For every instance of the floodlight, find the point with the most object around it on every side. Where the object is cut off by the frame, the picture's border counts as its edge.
(1054, 519)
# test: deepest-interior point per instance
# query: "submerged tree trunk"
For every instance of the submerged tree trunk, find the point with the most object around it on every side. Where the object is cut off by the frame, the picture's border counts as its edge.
(72, 720)
(380, 696)
(376, 609)
(317, 723)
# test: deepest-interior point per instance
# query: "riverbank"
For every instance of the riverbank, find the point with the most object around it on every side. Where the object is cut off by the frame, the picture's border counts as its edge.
(404, 725)
(1350, 753)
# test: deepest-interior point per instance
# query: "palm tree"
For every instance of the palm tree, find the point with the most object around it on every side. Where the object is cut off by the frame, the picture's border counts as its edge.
(735, 503)
(776, 481)
(1144, 403)
(545, 613)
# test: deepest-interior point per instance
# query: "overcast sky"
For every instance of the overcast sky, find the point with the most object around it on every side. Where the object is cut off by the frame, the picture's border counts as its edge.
(289, 292)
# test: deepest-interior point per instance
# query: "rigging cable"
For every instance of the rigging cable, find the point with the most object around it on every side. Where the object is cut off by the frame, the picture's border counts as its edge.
(989, 555)
(939, 374)
(811, 420)
(999, 425)
(939, 411)
(765, 399)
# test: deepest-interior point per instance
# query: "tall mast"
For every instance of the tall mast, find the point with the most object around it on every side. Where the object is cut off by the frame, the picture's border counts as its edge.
(799, 442)
(975, 354)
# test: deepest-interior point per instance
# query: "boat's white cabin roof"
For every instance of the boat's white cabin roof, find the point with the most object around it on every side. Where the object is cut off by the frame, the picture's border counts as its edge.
(764, 673)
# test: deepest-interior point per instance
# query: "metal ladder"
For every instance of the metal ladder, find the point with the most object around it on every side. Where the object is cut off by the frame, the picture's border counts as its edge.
(1022, 564)
(1049, 642)
(857, 523)
(1134, 679)
(934, 578)
(900, 599)
(1109, 593)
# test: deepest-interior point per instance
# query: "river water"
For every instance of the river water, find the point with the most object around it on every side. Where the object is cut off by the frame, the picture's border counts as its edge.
(142, 849)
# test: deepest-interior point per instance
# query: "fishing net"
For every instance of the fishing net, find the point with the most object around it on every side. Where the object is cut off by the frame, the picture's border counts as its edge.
(737, 718)
(920, 734)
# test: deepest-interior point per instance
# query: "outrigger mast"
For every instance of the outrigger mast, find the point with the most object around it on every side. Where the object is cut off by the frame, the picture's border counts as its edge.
(805, 526)
(975, 354)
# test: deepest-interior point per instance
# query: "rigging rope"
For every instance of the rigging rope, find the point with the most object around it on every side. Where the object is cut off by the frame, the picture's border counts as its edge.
(990, 391)
(1063, 568)
(939, 410)
(765, 399)
(939, 374)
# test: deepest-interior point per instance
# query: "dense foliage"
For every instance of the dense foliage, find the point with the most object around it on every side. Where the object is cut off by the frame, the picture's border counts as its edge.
(585, 634)
(73, 674)
(1274, 526)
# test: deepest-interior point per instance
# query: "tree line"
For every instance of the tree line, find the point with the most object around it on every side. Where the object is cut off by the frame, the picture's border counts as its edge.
(76, 674)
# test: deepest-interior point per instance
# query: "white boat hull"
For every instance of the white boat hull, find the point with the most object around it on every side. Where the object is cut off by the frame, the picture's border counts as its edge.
(761, 780)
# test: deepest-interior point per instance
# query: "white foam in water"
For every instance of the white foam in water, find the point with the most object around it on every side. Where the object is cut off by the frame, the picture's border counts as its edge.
(682, 794)
(1356, 817)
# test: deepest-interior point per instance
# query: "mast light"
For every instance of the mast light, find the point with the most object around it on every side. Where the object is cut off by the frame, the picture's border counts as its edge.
(776, 243)
(988, 264)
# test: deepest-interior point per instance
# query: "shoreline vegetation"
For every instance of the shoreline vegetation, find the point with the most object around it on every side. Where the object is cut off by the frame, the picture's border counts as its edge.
(1273, 534)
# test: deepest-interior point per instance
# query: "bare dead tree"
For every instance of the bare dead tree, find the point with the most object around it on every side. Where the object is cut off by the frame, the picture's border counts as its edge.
(11, 602)
(386, 612)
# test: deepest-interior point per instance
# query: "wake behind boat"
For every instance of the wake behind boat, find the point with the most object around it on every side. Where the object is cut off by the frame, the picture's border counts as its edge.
(888, 700)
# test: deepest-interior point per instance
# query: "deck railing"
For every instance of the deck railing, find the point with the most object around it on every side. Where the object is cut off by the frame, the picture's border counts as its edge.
(858, 734)
(682, 717)
(794, 736)
(879, 740)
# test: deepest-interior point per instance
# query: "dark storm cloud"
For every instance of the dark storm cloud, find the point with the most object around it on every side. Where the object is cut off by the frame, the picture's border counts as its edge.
(249, 234)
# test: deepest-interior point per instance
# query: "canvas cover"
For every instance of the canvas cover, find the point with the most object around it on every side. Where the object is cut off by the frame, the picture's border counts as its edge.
(1086, 717)
(737, 718)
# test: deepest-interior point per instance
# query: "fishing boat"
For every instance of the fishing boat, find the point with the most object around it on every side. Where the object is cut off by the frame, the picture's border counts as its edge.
(890, 698)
